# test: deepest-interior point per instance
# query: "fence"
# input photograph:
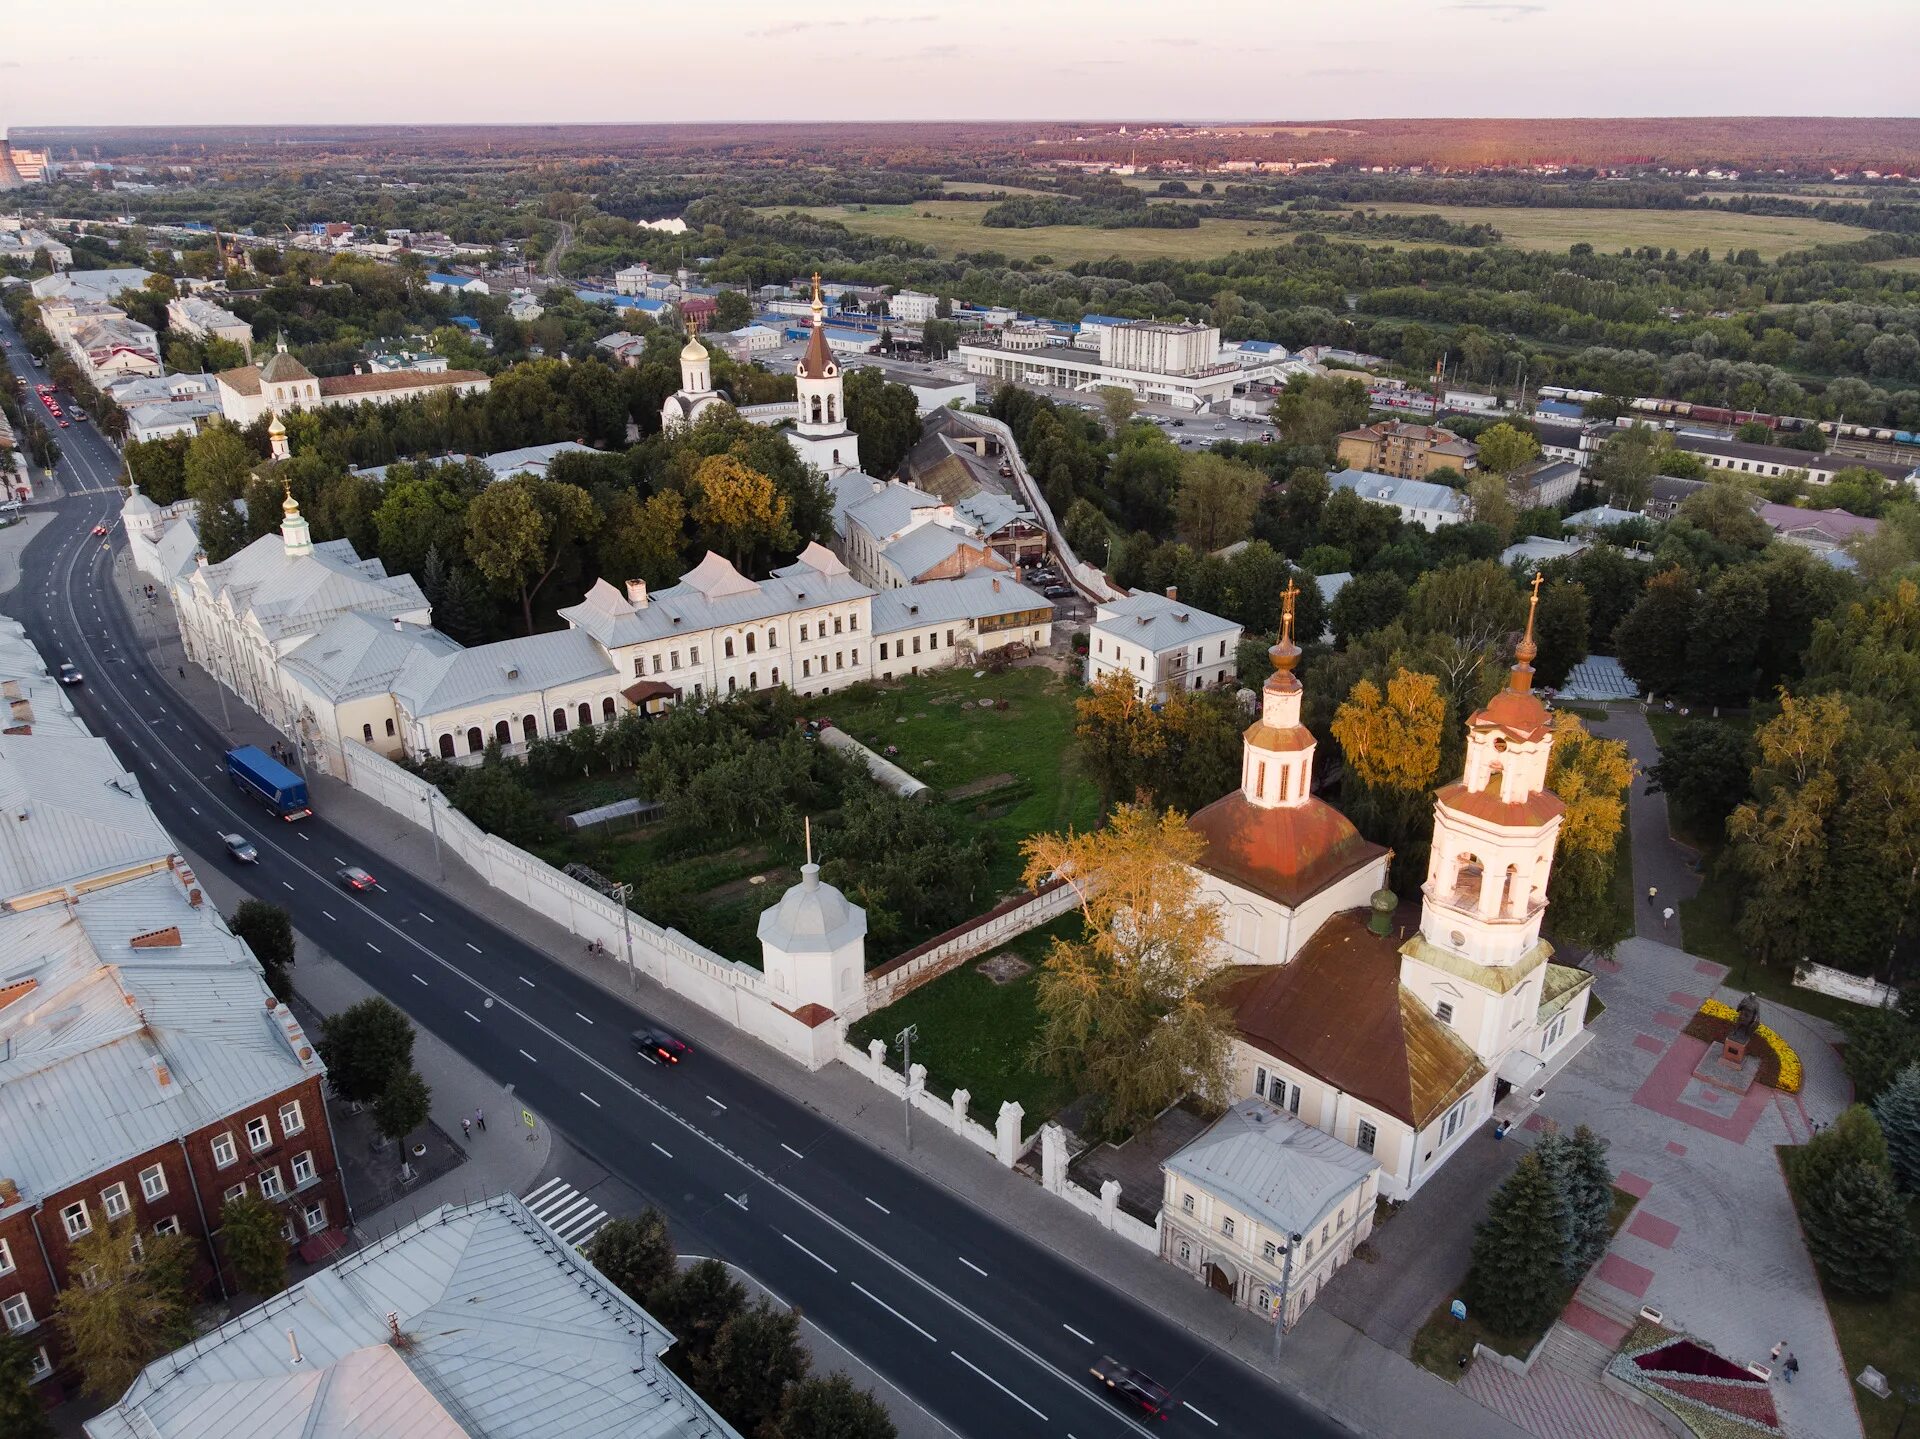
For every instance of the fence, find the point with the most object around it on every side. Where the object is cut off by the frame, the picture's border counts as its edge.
(1003, 1141)
(1841, 985)
(907, 972)
(1104, 1207)
(734, 991)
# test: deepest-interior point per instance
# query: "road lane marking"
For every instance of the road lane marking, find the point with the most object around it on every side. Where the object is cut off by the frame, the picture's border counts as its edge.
(590, 1099)
(424, 915)
(877, 1205)
(372, 946)
(528, 983)
(974, 1267)
(736, 1199)
(808, 1252)
(715, 1103)
(329, 916)
(994, 1382)
(1076, 1334)
(530, 1057)
(421, 982)
(666, 1152)
(338, 860)
(894, 1312)
(1202, 1413)
(285, 885)
(472, 946)
(791, 1150)
(471, 1015)
(578, 1015)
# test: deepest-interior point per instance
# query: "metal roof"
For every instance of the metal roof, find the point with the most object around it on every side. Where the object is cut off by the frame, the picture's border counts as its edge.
(1272, 1166)
(358, 654)
(1406, 494)
(714, 595)
(1157, 623)
(506, 669)
(293, 594)
(972, 597)
(882, 510)
(921, 549)
(69, 811)
(510, 1335)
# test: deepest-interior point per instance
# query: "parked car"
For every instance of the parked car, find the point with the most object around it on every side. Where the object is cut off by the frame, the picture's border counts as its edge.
(68, 675)
(240, 848)
(662, 1045)
(1179, 424)
(1132, 1387)
(355, 878)
(1056, 592)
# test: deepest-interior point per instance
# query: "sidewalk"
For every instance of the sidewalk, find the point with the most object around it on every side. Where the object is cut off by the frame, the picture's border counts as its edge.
(1355, 1380)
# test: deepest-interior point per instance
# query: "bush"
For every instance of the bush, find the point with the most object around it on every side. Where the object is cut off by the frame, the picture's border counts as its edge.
(268, 932)
(635, 1254)
(250, 1231)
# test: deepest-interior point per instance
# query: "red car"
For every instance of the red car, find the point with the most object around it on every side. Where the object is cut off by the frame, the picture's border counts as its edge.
(99, 530)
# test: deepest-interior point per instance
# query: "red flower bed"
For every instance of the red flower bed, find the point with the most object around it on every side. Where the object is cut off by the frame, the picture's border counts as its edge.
(1683, 1356)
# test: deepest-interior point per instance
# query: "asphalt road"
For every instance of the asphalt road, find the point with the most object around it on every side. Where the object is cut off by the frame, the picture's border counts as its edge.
(988, 1330)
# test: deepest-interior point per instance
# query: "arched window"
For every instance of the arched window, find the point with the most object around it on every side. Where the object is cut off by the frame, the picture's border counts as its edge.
(749, 641)
(731, 685)
(776, 675)
(586, 714)
(729, 646)
(389, 729)
(1508, 890)
(753, 679)
(366, 733)
(559, 721)
(446, 746)
(475, 740)
(816, 409)
(1466, 880)
(606, 707)
(830, 409)
(530, 727)
(503, 732)
(773, 639)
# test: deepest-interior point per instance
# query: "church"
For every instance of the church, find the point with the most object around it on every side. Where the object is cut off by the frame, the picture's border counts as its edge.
(1398, 1049)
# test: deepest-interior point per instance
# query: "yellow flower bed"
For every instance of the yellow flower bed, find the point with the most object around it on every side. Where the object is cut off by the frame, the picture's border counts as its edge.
(1789, 1060)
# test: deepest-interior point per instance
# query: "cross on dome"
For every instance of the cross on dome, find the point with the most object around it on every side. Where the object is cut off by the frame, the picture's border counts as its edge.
(1522, 678)
(1285, 654)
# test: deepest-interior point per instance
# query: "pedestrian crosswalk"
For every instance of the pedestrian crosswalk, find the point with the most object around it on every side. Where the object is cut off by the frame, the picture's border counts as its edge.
(566, 1211)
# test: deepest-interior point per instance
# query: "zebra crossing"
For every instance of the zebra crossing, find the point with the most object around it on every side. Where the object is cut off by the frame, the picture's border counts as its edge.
(566, 1211)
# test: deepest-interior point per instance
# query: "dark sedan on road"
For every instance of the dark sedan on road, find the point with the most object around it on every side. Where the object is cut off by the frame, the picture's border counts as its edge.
(68, 675)
(1132, 1387)
(662, 1045)
(355, 878)
(240, 848)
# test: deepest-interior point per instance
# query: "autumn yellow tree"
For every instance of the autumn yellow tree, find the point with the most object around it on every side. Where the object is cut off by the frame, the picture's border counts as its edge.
(739, 511)
(1591, 776)
(1130, 1011)
(1185, 753)
(1392, 746)
(1120, 737)
(134, 1307)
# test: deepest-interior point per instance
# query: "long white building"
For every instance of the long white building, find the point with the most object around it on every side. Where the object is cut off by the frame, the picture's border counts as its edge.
(1176, 364)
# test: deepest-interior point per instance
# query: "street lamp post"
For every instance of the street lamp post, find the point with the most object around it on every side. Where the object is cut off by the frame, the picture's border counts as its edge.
(905, 1040)
(433, 823)
(623, 892)
(1286, 1289)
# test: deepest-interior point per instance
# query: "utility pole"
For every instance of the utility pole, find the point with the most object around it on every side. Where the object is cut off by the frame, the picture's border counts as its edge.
(433, 824)
(623, 892)
(905, 1040)
(1286, 1288)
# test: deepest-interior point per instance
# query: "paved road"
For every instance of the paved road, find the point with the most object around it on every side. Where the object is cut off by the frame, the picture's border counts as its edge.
(989, 1331)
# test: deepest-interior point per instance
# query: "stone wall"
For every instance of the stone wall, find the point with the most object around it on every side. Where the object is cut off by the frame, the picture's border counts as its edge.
(1841, 985)
(1103, 1208)
(907, 972)
(1004, 1141)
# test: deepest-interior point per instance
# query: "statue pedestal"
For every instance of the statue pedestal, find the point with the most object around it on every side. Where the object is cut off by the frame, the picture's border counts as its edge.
(1717, 1069)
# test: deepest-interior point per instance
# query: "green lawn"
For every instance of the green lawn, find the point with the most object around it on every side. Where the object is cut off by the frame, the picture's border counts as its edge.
(977, 1035)
(1028, 746)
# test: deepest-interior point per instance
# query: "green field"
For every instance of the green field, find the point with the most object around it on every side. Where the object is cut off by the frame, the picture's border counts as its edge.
(950, 226)
(1538, 229)
(1909, 263)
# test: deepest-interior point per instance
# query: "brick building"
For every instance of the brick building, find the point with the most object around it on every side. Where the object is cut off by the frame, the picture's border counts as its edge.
(1406, 451)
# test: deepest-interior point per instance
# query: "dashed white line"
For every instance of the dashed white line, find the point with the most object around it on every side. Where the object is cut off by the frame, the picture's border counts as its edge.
(974, 1267)
(528, 983)
(529, 1057)
(877, 1205)
(421, 982)
(1202, 1413)
(715, 1103)
(471, 1015)
(191, 808)
(735, 1199)
(338, 860)
(809, 1253)
(424, 915)
(590, 1099)
(372, 946)
(994, 1382)
(329, 916)
(1076, 1334)
(894, 1312)
(667, 1152)
(472, 946)
(578, 1015)
(791, 1150)
(285, 885)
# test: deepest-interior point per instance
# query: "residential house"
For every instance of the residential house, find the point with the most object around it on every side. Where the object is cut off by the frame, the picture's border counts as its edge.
(1405, 451)
(1544, 483)
(1773, 461)
(283, 384)
(1418, 502)
(1162, 644)
(191, 315)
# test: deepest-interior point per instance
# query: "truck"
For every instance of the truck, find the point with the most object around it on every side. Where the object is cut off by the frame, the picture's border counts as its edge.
(259, 775)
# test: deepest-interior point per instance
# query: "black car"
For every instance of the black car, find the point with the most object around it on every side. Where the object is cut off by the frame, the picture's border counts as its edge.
(68, 675)
(661, 1045)
(1133, 1387)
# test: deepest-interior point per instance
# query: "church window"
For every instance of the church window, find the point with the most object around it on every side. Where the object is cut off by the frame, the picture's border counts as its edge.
(1186, 1252)
(830, 409)
(753, 679)
(1260, 780)
(816, 409)
(883, 649)
(389, 729)
(1226, 1226)
(366, 732)
(693, 655)
(1365, 1139)
(586, 714)
(949, 639)
(727, 643)
(503, 732)
(1555, 1030)
(803, 634)
(749, 641)
(853, 623)
(475, 741)
(732, 685)
(673, 659)
(559, 721)
(776, 675)
(1466, 880)
(773, 639)
(836, 624)
(1456, 1117)
(854, 654)
(639, 666)
(916, 644)
(933, 640)
(446, 746)
(698, 689)
(1443, 1011)
(656, 664)
(1293, 1100)
(838, 662)
(531, 728)
(806, 669)
(1260, 1080)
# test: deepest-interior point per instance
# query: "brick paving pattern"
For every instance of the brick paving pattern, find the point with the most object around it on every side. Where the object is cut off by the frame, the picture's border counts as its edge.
(1562, 1396)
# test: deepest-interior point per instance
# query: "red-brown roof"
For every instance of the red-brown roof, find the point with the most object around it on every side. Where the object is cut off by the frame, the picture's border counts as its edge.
(812, 1015)
(817, 363)
(396, 380)
(1486, 804)
(1286, 853)
(242, 381)
(1519, 712)
(1339, 1012)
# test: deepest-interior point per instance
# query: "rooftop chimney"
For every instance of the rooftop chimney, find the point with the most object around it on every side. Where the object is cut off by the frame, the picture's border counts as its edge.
(637, 594)
(1173, 592)
(293, 1349)
(396, 622)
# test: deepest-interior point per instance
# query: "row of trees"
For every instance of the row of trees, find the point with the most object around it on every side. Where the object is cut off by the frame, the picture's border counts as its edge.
(745, 1359)
(1851, 1183)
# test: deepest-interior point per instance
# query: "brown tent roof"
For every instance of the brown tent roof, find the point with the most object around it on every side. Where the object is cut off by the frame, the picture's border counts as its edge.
(1339, 1011)
(1286, 853)
(817, 363)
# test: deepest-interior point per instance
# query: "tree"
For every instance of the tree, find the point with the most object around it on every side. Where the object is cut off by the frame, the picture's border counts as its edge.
(885, 416)
(403, 1105)
(1589, 1201)
(732, 310)
(939, 337)
(1625, 464)
(1118, 402)
(417, 513)
(1517, 1280)
(268, 932)
(137, 1307)
(250, 1232)
(1882, 1044)
(363, 1046)
(694, 1306)
(1391, 741)
(1183, 751)
(1652, 640)
(636, 1254)
(1475, 611)
(1857, 1230)
(1704, 771)
(1505, 450)
(1491, 505)
(1143, 481)
(22, 1415)
(1898, 1112)
(738, 511)
(1128, 1009)
(756, 1357)
(1215, 504)
(1367, 603)
(1314, 409)
(832, 1408)
(1561, 630)
(1853, 1138)
(217, 465)
(520, 530)
(1591, 776)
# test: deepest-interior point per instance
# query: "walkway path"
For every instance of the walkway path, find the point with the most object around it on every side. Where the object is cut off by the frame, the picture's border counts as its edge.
(1659, 860)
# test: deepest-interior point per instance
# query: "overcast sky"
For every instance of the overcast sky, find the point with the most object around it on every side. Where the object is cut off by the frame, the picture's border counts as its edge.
(108, 62)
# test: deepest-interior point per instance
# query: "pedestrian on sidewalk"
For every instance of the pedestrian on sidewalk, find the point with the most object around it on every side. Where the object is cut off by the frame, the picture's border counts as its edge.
(1775, 1355)
(480, 1118)
(1666, 917)
(466, 1133)
(1793, 1367)
(1653, 893)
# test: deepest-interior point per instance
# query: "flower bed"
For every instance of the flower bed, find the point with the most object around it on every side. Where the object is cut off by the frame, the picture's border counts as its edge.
(1710, 1394)
(1779, 1062)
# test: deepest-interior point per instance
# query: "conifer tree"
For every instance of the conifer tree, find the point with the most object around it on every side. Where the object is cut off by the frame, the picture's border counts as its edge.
(1857, 1230)
(1589, 1199)
(1516, 1281)
(1898, 1110)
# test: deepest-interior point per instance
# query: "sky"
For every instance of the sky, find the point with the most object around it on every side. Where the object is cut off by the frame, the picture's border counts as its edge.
(112, 62)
